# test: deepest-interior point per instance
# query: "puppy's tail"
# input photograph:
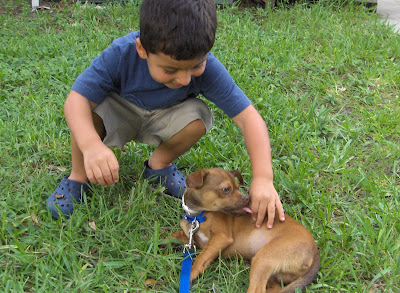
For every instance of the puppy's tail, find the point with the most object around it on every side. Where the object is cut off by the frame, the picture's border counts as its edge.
(306, 279)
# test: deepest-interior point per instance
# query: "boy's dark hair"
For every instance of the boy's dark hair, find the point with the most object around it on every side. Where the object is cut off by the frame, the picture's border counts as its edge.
(182, 29)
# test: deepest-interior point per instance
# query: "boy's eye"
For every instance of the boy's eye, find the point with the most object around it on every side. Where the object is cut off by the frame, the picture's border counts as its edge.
(169, 71)
(199, 66)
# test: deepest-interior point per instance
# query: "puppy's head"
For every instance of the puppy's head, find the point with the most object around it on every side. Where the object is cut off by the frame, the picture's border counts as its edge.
(215, 190)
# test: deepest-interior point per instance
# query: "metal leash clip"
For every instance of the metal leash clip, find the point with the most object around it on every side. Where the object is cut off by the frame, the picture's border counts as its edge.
(193, 229)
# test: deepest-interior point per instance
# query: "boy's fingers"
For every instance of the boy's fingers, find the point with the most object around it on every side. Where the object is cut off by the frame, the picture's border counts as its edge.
(271, 216)
(114, 167)
(100, 177)
(108, 178)
(254, 209)
(260, 215)
(108, 175)
(107, 172)
(90, 176)
(280, 209)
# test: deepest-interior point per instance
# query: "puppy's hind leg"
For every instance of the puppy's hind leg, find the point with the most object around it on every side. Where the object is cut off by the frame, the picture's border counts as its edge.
(260, 273)
(266, 263)
(287, 261)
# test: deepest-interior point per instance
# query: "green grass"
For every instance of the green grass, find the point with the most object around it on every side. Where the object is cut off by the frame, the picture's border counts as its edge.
(325, 79)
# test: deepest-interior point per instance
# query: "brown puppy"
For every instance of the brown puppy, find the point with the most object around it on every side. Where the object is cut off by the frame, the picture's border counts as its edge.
(286, 254)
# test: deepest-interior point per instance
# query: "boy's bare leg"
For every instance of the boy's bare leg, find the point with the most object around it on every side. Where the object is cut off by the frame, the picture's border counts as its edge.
(168, 151)
(78, 172)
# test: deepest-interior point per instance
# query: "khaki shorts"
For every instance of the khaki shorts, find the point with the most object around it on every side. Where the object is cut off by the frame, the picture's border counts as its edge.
(124, 121)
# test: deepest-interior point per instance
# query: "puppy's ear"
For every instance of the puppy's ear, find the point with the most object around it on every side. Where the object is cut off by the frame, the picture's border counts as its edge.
(238, 175)
(196, 179)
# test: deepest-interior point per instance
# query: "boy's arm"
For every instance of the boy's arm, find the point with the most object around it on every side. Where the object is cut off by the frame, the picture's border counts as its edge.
(263, 195)
(101, 165)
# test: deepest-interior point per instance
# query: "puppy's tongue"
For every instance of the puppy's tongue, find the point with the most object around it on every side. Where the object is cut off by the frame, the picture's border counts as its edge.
(248, 210)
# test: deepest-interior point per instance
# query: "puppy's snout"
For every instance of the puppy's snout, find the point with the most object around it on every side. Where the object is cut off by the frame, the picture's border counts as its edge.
(246, 198)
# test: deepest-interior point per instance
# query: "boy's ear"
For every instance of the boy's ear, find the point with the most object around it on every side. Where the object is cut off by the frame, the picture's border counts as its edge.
(139, 48)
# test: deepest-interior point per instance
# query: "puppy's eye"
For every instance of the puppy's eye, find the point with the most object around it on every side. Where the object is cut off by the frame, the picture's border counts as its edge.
(226, 189)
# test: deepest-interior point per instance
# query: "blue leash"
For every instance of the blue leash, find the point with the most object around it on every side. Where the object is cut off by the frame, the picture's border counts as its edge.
(184, 283)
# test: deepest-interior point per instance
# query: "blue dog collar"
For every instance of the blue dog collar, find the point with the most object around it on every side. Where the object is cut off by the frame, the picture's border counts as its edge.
(200, 217)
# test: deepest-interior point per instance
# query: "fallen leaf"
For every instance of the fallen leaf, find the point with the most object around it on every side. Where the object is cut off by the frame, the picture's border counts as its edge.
(35, 219)
(149, 282)
(59, 168)
(92, 225)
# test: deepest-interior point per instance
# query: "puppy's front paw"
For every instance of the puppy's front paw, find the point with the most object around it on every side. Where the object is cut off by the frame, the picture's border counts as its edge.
(197, 269)
(193, 276)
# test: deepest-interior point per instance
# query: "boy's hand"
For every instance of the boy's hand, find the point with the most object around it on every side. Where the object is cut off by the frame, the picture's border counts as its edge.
(101, 165)
(264, 199)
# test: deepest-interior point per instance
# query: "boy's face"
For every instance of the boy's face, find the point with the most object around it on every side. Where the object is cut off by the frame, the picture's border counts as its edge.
(171, 72)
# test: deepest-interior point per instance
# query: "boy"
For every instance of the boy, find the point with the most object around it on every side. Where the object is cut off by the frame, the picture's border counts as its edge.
(144, 88)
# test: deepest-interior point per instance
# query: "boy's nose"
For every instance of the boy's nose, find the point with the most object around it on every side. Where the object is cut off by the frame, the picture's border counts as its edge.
(184, 78)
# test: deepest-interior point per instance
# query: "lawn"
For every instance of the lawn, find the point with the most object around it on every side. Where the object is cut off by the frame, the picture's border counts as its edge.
(326, 80)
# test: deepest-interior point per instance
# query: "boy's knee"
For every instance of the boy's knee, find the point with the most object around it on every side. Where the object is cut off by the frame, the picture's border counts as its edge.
(198, 127)
(204, 113)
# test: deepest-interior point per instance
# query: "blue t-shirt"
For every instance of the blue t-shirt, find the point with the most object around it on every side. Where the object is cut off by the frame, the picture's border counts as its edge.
(120, 69)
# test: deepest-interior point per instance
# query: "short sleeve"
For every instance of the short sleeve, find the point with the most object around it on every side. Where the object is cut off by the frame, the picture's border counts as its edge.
(218, 86)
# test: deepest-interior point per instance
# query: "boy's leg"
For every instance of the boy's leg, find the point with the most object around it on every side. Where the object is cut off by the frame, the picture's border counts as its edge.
(179, 128)
(159, 166)
(69, 191)
(181, 142)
